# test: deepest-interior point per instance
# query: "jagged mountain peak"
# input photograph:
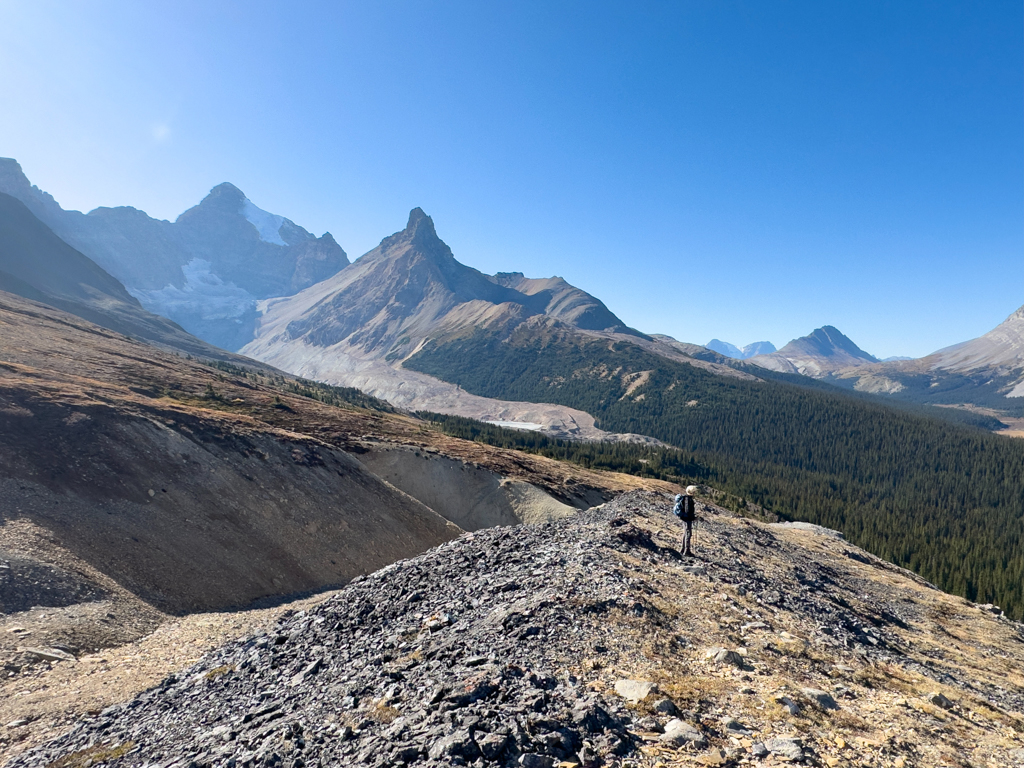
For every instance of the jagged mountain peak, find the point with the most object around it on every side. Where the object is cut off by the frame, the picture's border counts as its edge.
(827, 341)
(11, 171)
(224, 190)
(408, 289)
(419, 234)
(819, 353)
(418, 217)
(205, 270)
(14, 182)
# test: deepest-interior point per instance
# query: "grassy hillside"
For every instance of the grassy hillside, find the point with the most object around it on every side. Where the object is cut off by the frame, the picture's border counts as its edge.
(938, 497)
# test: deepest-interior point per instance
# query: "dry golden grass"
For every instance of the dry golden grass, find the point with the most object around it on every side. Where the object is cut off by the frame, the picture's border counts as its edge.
(95, 755)
(383, 713)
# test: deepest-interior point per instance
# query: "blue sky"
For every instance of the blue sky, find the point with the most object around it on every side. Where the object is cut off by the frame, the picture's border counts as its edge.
(747, 171)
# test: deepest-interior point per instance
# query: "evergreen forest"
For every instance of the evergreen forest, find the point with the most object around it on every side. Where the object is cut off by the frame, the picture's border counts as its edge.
(943, 498)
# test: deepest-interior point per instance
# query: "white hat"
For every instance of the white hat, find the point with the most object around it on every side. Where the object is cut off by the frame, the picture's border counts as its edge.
(692, 489)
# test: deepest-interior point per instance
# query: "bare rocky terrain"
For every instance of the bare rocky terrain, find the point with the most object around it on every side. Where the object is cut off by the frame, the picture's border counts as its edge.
(591, 641)
(137, 486)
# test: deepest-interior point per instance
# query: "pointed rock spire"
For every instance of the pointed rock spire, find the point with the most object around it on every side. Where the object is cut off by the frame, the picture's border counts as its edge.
(420, 225)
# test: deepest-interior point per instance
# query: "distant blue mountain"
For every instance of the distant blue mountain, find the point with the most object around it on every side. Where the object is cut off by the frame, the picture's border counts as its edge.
(731, 350)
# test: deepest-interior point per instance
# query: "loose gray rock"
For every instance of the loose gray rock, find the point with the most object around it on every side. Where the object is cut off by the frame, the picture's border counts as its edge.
(788, 747)
(666, 707)
(492, 744)
(734, 727)
(679, 733)
(634, 690)
(49, 654)
(941, 701)
(788, 704)
(458, 744)
(531, 760)
(723, 656)
(820, 699)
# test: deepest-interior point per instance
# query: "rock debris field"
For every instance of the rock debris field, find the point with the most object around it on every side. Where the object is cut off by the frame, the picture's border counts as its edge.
(590, 641)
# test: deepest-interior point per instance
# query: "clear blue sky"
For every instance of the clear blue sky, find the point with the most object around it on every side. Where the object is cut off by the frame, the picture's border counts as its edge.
(741, 170)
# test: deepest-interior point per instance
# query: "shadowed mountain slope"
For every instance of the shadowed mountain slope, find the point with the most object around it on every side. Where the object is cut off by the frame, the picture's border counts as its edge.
(193, 487)
(38, 265)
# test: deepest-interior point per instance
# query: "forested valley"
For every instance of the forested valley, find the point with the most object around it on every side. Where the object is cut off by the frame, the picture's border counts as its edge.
(941, 498)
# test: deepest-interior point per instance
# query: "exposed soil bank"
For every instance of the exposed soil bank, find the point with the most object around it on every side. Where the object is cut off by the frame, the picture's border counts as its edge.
(469, 496)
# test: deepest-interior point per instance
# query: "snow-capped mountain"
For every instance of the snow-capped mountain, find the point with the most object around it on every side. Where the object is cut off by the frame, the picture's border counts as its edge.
(207, 269)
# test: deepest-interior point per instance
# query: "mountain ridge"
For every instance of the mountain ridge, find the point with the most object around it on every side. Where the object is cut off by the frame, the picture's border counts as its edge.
(591, 640)
(738, 353)
(356, 327)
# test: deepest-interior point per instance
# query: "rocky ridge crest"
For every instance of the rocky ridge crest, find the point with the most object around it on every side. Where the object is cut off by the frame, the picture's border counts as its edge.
(591, 641)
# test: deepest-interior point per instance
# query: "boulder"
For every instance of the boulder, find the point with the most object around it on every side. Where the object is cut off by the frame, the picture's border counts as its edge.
(788, 747)
(820, 699)
(634, 690)
(679, 734)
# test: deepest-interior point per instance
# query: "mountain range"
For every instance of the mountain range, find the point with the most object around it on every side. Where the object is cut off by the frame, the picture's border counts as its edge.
(146, 475)
(357, 328)
(985, 374)
(206, 270)
(738, 353)
(38, 265)
(218, 269)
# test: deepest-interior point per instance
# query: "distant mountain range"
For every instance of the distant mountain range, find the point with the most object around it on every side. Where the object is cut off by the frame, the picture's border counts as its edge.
(817, 354)
(738, 353)
(207, 269)
(239, 277)
(982, 373)
(38, 265)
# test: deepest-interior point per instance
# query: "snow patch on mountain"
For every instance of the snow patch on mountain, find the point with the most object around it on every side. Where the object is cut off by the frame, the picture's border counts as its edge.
(204, 294)
(267, 224)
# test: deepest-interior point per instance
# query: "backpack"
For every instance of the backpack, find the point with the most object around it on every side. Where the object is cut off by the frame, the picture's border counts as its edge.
(684, 509)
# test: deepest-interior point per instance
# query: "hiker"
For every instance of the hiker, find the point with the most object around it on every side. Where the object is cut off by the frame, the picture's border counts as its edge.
(685, 510)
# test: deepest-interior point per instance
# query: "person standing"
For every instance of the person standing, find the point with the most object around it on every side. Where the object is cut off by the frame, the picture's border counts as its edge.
(685, 510)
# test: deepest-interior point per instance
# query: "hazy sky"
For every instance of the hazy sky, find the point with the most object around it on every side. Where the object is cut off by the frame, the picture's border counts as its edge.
(747, 171)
